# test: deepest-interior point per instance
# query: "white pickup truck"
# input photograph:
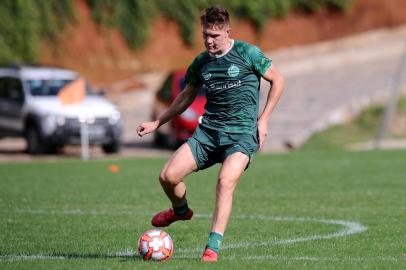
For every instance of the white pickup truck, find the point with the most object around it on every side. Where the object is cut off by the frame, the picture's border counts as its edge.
(30, 107)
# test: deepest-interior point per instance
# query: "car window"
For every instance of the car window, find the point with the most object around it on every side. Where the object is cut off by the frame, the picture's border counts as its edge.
(11, 88)
(46, 87)
(15, 89)
(3, 93)
(90, 90)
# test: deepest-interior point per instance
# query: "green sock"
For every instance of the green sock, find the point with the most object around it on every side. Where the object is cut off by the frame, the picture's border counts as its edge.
(215, 241)
(181, 210)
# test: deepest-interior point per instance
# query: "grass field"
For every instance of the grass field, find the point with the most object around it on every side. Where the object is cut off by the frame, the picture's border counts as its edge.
(309, 210)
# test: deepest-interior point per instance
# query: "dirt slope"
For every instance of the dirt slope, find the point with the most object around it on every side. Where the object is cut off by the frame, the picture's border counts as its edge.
(103, 56)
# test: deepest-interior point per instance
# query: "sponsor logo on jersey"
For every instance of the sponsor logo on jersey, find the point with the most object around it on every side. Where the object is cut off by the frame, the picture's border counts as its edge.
(206, 75)
(223, 86)
(233, 70)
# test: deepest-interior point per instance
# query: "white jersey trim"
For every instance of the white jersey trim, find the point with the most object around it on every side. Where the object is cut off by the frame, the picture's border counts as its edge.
(224, 53)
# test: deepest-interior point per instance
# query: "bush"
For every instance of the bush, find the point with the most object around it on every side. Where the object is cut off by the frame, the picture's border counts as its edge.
(310, 6)
(28, 22)
(133, 17)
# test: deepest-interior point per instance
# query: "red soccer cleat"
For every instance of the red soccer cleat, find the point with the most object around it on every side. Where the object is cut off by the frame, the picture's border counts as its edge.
(209, 256)
(165, 218)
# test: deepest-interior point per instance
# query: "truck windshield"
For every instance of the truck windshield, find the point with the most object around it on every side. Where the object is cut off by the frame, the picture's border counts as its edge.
(51, 87)
(46, 87)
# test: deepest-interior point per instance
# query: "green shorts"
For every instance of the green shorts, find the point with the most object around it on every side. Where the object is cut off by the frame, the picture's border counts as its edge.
(210, 146)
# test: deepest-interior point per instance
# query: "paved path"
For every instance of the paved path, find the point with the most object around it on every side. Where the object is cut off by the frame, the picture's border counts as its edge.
(331, 82)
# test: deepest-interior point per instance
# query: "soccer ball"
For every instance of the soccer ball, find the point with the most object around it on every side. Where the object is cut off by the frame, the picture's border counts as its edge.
(155, 245)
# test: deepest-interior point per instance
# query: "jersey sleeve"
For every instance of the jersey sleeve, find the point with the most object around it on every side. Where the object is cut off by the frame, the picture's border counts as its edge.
(260, 63)
(192, 75)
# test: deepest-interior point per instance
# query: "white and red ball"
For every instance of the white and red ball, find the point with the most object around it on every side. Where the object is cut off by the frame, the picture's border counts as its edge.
(155, 245)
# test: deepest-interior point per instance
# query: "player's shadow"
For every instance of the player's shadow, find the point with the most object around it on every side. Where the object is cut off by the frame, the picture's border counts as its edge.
(120, 257)
(73, 256)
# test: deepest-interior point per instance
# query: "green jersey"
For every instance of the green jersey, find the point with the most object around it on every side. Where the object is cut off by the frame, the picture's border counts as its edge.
(232, 81)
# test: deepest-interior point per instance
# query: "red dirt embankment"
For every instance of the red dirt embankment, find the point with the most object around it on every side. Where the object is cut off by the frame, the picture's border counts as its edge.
(103, 57)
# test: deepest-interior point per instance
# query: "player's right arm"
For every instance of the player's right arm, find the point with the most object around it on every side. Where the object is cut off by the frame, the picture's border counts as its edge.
(179, 105)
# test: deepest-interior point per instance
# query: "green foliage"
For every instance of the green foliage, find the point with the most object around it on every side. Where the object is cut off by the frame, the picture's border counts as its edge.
(103, 11)
(133, 17)
(369, 119)
(307, 6)
(184, 12)
(18, 37)
(54, 15)
(259, 12)
(26, 23)
(340, 5)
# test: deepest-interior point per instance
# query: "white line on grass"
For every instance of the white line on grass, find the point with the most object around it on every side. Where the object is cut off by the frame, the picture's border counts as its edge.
(306, 258)
(300, 258)
(350, 227)
(26, 257)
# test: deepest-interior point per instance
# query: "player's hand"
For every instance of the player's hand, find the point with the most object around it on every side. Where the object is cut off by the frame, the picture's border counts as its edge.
(148, 127)
(262, 132)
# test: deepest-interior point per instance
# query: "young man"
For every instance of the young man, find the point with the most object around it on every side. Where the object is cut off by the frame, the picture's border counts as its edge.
(231, 129)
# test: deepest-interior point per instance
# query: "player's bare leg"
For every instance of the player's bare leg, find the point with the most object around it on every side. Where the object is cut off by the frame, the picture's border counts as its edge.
(181, 164)
(230, 172)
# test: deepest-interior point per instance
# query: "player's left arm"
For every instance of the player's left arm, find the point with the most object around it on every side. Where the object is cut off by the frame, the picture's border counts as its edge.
(276, 80)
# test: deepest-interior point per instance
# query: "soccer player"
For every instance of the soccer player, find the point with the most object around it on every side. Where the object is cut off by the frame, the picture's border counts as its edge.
(231, 129)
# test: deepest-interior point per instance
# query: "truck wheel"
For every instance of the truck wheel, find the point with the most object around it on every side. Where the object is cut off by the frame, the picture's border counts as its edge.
(35, 144)
(112, 148)
(160, 140)
(165, 141)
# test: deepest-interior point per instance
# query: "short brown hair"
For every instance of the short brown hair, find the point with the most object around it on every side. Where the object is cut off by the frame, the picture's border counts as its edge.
(215, 15)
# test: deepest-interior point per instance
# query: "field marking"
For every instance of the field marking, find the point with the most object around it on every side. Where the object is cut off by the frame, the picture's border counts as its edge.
(350, 228)
(27, 257)
(302, 258)
(307, 258)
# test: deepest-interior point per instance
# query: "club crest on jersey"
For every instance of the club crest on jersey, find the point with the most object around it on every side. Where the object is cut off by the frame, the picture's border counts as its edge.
(233, 71)
(206, 75)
